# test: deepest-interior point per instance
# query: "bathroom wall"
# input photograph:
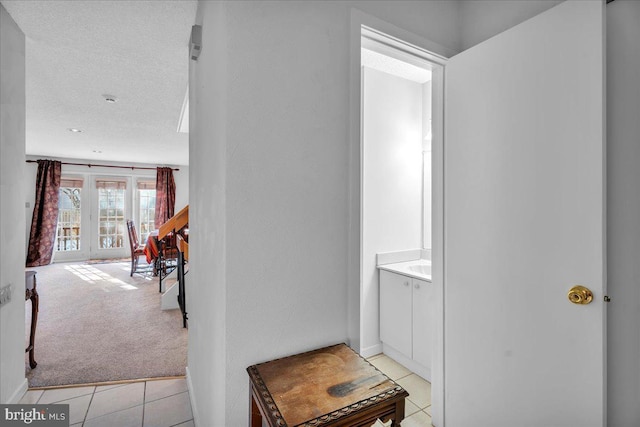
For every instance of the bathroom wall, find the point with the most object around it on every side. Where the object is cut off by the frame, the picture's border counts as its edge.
(392, 183)
(427, 169)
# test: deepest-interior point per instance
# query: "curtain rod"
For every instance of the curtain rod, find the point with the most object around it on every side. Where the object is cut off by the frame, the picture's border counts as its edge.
(104, 166)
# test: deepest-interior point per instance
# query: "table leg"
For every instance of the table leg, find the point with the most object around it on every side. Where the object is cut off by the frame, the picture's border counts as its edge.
(255, 418)
(399, 415)
(35, 303)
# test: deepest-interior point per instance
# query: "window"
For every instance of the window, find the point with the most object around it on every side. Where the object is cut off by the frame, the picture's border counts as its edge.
(69, 210)
(111, 210)
(147, 213)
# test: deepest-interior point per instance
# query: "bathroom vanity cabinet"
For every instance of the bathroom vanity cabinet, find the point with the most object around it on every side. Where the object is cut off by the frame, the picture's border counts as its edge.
(406, 323)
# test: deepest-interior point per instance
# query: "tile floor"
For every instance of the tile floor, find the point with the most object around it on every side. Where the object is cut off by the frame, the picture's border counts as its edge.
(418, 405)
(158, 403)
(165, 403)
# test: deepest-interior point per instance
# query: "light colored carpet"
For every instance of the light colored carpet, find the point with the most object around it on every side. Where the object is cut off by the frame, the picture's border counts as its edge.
(98, 324)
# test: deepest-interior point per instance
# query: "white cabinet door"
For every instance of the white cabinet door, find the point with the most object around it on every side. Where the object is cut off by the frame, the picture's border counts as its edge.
(423, 300)
(524, 206)
(395, 311)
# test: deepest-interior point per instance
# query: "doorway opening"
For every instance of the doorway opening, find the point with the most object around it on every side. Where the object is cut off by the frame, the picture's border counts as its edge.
(400, 247)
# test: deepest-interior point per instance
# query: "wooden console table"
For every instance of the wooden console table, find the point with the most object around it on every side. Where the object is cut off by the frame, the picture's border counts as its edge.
(331, 386)
(32, 293)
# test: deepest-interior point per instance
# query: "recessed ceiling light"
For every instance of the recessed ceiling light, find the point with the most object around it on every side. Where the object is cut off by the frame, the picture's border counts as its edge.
(110, 99)
(74, 130)
(97, 151)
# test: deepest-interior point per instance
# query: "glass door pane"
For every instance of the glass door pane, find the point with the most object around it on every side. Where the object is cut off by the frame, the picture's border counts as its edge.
(111, 219)
(69, 219)
(147, 200)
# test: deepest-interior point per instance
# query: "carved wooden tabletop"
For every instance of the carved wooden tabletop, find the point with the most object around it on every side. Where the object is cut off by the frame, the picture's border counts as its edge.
(321, 386)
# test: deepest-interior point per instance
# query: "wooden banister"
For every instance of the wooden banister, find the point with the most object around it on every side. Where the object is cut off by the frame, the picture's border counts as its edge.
(183, 247)
(175, 223)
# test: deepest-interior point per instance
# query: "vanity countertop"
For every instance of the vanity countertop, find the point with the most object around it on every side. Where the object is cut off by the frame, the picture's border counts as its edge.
(417, 268)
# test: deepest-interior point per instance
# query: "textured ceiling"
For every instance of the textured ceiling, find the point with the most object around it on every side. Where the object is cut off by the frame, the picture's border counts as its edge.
(394, 66)
(78, 51)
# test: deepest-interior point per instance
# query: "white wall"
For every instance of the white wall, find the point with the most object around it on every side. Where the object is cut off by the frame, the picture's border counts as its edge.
(623, 175)
(427, 106)
(12, 165)
(181, 178)
(482, 19)
(392, 183)
(269, 184)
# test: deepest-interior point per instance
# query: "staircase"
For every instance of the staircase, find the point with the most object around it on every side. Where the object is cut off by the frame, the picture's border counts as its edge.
(174, 296)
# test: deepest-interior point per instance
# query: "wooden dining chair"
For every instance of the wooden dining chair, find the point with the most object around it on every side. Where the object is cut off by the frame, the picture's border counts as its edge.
(137, 250)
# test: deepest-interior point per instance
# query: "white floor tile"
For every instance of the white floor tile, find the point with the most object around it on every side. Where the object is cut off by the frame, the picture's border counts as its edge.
(419, 419)
(131, 417)
(187, 424)
(163, 388)
(390, 367)
(419, 390)
(59, 394)
(428, 410)
(31, 397)
(77, 408)
(116, 399)
(410, 408)
(109, 387)
(168, 412)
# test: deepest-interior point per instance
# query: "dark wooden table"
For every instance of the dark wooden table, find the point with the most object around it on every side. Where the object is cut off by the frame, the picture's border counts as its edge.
(331, 386)
(31, 293)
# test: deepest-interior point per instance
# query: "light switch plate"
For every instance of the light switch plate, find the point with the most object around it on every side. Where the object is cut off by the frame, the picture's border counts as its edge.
(5, 295)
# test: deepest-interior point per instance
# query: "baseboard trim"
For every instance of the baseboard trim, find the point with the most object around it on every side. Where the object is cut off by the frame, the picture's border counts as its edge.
(115, 382)
(20, 391)
(194, 409)
(371, 350)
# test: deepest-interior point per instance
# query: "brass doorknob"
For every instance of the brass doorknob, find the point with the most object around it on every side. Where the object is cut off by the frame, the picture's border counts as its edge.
(580, 295)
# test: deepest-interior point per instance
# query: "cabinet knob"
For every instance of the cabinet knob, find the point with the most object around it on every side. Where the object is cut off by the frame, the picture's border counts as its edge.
(417, 285)
(406, 283)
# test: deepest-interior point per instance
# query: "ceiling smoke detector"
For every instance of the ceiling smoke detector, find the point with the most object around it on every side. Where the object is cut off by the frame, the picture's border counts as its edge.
(110, 99)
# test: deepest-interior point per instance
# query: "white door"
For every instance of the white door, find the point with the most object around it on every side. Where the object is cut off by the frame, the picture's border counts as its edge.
(524, 222)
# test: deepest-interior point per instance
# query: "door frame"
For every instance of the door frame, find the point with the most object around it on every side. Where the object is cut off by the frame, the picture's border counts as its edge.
(410, 45)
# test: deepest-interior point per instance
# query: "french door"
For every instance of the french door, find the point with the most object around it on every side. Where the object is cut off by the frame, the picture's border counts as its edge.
(110, 210)
(92, 217)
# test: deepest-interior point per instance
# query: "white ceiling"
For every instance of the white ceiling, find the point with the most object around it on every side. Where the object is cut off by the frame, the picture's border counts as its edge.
(77, 51)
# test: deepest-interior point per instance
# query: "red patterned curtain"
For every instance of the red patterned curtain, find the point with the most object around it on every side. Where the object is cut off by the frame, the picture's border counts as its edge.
(45, 214)
(165, 195)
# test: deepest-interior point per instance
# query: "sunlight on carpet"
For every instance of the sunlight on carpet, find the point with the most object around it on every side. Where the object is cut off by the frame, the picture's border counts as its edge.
(92, 275)
(96, 324)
